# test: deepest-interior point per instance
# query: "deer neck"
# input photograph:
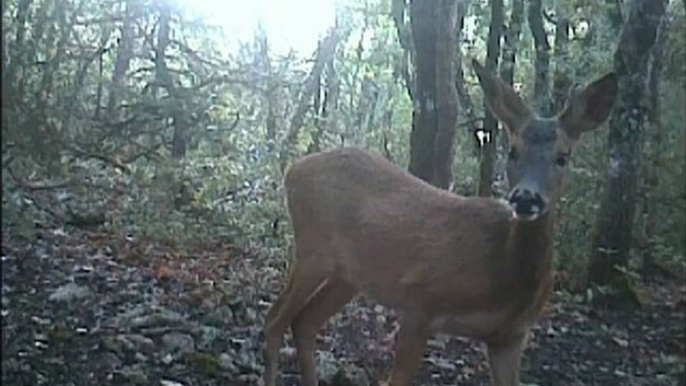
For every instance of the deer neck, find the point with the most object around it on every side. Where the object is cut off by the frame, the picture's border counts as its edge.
(530, 250)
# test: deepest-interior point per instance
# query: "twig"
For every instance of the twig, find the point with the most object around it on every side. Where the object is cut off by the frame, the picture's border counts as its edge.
(113, 162)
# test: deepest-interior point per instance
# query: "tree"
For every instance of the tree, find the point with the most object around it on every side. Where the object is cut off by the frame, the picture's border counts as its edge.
(487, 163)
(123, 59)
(435, 100)
(466, 103)
(542, 63)
(650, 179)
(511, 42)
(561, 80)
(613, 238)
(325, 52)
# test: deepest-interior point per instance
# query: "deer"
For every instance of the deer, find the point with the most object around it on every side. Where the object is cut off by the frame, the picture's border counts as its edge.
(478, 267)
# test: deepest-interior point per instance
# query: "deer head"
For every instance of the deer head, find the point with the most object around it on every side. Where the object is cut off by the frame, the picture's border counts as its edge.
(540, 147)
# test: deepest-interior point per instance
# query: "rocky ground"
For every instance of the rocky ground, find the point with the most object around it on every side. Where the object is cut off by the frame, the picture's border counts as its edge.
(88, 308)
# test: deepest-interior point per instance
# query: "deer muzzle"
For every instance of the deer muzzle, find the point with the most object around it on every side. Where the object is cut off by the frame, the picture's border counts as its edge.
(528, 204)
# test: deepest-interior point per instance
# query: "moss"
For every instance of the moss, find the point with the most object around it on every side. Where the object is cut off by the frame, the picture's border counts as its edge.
(206, 363)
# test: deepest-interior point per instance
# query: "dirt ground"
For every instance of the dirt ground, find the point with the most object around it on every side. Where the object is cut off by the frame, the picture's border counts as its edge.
(88, 308)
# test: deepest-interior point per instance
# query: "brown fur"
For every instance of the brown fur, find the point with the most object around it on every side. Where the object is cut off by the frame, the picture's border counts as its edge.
(410, 245)
(447, 263)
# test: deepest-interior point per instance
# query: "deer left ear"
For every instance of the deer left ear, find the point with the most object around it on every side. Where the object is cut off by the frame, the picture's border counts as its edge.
(503, 101)
(586, 110)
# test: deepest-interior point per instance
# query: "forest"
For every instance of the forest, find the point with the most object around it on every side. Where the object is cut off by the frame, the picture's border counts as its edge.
(145, 234)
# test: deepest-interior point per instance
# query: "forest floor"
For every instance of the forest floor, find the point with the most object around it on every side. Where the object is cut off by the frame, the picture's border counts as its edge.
(90, 308)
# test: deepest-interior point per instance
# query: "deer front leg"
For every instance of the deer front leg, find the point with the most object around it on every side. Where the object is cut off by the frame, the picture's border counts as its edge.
(409, 349)
(504, 358)
(333, 295)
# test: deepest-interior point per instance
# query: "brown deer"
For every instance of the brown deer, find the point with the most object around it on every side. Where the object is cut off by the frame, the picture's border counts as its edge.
(477, 267)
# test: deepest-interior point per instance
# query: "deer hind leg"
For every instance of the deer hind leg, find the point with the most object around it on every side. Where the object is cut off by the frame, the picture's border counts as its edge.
(328, 300)
(304, 280)
(504, 359)
(409, 349)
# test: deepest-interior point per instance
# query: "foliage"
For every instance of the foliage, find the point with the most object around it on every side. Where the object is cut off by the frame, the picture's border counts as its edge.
(59, 74)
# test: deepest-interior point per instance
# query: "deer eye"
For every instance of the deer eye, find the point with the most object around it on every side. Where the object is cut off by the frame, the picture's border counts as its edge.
(561, 160)
(513, 154)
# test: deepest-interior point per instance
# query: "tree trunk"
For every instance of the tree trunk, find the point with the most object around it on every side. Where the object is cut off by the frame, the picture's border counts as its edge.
(614, 14)
(424, 122)
(122, 62)
(320, 114)
(511, 42)
(80, 80)
(446, 101)
(651, 180)
(613, 238)
(398, 8)
(333, 90)
(435, 101)
(45, 95)
(561, 79)
(17, 53)
(269, 89)
(53, 65)
(487, 163)
(542, 61)
(325, 51)
(13, 64)
(40, 22)
(465, 100)
(163, 78)
(104, 38)
(272, 110)
(466, 104)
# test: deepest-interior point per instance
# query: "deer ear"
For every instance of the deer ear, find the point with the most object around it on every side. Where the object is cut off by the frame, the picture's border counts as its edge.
(503, 101)
(587, 109)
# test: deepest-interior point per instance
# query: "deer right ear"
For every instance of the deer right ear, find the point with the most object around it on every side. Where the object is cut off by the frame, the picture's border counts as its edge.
(503, 101)
(587, 109)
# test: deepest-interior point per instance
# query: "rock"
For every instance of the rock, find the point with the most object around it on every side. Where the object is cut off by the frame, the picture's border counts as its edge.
(123, 320)
(141, 342)
(439, 342)
(206, 336)
(143, 316)
(177, 342)
(108, 362)
(226, 363)
(349, 375)
(167, 359)
(111, 343)
(249, 379)
(128, 342)
(135, 375)
(165, 382)
(288, 352)
(69, 292)
(219, 317)
(204, 362)
(327, 366)
(163, 318)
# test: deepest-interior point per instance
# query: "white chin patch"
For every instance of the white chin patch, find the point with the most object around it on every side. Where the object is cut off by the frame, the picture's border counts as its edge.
(505, 203)
(527, 217)
(535, 213)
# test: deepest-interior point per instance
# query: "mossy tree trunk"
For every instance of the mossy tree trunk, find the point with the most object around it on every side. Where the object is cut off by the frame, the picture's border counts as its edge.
(613, 238)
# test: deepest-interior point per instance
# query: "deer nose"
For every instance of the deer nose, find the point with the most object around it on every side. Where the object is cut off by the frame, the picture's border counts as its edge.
(527, 205)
